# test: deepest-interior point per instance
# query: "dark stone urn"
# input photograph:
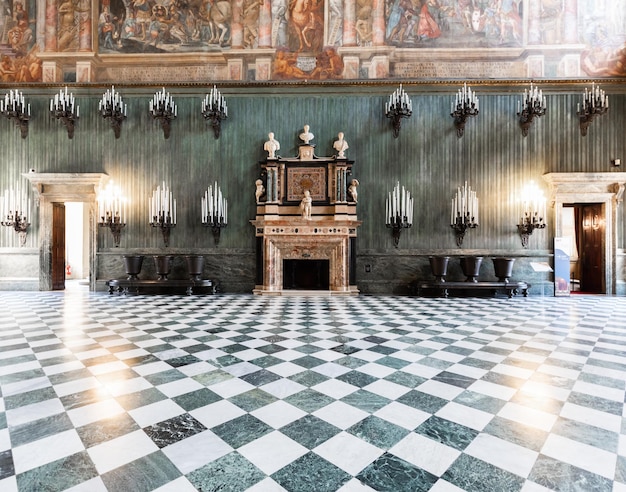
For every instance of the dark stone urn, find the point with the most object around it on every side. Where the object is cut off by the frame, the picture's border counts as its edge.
(195, 266)
(132, 265)
(163, 265)
(471, 267)
(503, 268)
(439, 267)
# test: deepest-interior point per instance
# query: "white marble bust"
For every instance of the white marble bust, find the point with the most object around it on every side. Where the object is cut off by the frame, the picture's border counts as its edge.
(341, 145)
(306, 136)
(271, 146)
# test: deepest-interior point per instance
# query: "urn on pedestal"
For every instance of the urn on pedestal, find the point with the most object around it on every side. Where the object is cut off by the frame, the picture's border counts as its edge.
(132, 265)
(163, 265)
(471, 267)
(439, 267)
(195, 266)
(503, 268)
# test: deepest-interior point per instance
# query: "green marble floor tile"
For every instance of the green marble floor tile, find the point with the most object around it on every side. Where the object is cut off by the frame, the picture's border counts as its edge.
(377, 431)
(392, 474)
(310, 473)
(142, 475)
(106, 429)
(310, 431)
(474, 475)
(230, 472)
(58, 475)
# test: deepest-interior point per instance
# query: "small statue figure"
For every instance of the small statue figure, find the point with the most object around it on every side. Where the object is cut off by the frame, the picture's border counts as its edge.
(260, 190)
(271, 146)
(352, 189)
(306, 136)
(341, 146)
(305, 205)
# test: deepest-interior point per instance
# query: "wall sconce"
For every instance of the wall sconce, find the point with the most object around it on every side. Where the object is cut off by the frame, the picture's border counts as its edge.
(63, 108)
(399, 211)
(14, 211)
(112, 210)
(533, 212)
(464, 106)
(399, 106)
(215, 110)
(464, 213)
(163, 109)
(214, 211)
(112, 107)
(595, 103)
(533, 104)
(14, 108)
(163, 211)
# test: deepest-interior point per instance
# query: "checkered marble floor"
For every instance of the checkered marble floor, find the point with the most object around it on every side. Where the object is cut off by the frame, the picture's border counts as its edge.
(237, 392)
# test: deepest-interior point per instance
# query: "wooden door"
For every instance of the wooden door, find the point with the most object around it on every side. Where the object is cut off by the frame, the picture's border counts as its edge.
(592, 239)
(58, 246)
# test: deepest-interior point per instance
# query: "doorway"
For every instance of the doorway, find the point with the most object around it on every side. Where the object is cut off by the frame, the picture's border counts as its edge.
(54, 191)
(597, 195)
(588, 261)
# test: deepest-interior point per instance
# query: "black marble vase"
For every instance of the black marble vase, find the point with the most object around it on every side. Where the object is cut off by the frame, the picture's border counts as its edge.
(439, 267)
(503, 268)
(163, 265)
(470, 265)
(132, 265)
(195, 266)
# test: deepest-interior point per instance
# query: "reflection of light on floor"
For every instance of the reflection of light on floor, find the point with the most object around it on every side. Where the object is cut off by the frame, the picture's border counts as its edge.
(77, 284)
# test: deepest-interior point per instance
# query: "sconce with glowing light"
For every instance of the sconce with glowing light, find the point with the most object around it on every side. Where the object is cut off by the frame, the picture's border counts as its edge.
(399, 106)
(464, 106)
(214, 109)
(464, 213)
(162, 108)
(112, 108)
(112, 210)
(533, 104)
(14, 212)
(162, 210)
(399, 212)
(533, 212)
(595, 103)
(214, 211)
(64, 108)
(15, 108)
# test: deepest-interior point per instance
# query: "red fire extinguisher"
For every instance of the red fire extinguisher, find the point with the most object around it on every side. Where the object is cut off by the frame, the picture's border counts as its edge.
(68, 270)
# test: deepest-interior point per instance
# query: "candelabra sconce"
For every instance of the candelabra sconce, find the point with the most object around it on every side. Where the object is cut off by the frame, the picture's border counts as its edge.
(112, 211)
(214, 211)
(214, 109)
(533, 104)
(464, 214)
(14, 211)
(595, 103)
(464, 106)
(162, 209)
(20, 224)
(399, 212)
(112, 108)
(15, 108)
(64, 108)
(399, 106)
(533, 212)
(163, 109)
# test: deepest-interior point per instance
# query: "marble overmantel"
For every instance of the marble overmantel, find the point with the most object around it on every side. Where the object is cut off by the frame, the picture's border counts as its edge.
(284, 231)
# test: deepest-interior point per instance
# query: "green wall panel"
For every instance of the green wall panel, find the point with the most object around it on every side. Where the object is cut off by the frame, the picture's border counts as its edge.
(427, 157)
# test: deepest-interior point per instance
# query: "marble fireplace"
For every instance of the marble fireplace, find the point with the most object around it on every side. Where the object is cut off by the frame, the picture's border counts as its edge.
(306, 246)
